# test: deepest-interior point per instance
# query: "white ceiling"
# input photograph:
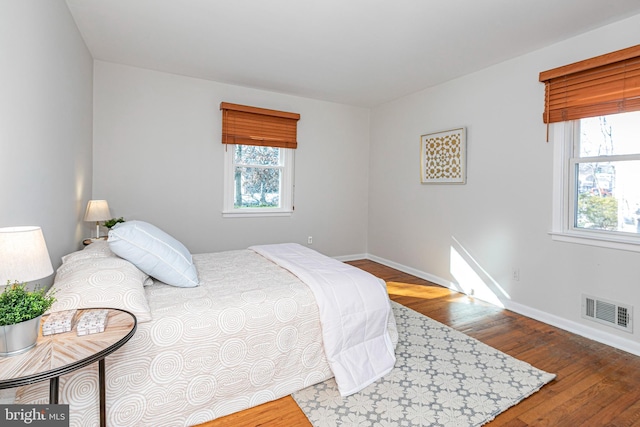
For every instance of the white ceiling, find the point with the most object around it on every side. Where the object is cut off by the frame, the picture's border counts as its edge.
(358, 52)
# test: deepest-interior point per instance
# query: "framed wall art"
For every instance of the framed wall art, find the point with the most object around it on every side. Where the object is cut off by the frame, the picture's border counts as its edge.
(443, 157)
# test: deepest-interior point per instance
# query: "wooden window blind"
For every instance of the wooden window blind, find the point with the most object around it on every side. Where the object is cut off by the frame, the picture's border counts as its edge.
(246, 125)
(605, 84)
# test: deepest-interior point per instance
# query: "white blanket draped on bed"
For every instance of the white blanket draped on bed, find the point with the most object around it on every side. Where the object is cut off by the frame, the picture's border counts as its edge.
(354, 309)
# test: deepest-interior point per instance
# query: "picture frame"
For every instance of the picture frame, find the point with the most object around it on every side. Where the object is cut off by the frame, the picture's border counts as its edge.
(443, 157)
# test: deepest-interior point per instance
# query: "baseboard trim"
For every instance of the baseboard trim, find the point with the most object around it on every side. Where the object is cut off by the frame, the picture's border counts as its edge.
(602, 337)
(420, 274)
(353, 257)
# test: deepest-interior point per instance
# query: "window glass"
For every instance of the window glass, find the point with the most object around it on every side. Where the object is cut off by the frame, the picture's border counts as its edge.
(257, 177)
(256, 155)
(606, 181)
(615, 134)
(258, 180)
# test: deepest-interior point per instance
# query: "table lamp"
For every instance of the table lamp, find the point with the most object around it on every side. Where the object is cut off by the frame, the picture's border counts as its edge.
(97, 210)
(23, 255)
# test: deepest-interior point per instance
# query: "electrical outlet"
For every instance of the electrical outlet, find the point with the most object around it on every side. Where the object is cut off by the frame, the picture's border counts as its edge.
(515, 274)
(310, 240)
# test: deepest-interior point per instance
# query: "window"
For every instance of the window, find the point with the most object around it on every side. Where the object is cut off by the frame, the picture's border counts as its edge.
(258, 171)
(594, 106)
(258, 181)
(600, 174)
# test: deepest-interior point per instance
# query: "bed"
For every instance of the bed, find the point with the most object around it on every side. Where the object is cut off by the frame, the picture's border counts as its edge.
(249, 333)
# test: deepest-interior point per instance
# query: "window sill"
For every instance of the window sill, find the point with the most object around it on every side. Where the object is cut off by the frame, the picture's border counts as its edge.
(254, 214)
(609, 242)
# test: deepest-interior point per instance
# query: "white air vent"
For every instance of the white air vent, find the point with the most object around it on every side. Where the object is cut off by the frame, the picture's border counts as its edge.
(607, 312)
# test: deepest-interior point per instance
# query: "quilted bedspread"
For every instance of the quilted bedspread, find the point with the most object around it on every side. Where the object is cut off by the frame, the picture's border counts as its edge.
(249, 334)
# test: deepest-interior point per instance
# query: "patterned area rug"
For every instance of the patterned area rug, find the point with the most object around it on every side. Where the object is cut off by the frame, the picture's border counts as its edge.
(442, 377)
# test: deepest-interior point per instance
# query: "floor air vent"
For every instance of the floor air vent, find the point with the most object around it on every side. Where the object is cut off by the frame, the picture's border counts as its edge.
(607, 312)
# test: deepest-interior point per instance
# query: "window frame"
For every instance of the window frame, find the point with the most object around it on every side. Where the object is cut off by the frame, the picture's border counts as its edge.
(564, 136)
(286, 186)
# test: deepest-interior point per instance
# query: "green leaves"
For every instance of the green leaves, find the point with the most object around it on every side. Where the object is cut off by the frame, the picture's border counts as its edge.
(597, 212)
(17, 304)
(113, 221)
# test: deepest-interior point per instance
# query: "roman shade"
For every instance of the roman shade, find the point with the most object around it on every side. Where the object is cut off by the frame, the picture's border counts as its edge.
(246, 125)
(605, 84)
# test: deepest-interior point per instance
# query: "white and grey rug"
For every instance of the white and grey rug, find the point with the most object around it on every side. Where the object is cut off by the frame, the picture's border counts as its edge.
(442, 377)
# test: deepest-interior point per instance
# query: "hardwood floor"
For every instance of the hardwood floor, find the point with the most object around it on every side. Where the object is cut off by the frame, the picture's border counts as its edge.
(596, 385)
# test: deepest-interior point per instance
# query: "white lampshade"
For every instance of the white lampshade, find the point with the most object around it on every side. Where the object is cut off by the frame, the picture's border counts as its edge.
(97, 210)
(23, 255)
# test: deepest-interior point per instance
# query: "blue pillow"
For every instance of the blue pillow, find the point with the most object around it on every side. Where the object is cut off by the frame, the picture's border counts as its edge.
(154, 252)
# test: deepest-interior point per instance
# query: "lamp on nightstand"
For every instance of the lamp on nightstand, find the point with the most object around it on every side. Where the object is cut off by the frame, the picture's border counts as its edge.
(24, 254)
(97, 210)
(23, 258)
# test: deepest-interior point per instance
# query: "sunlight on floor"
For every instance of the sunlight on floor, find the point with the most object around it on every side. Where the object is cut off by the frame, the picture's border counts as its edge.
(417, 291)
(472, 279)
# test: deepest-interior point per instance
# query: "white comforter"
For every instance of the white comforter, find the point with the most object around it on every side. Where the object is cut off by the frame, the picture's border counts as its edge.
(354, 309)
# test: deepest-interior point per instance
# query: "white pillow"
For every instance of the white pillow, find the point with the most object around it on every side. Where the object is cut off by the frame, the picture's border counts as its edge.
(154, 252)
(108, 282)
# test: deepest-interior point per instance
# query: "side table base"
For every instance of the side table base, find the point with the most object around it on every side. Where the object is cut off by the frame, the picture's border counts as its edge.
(53, 391)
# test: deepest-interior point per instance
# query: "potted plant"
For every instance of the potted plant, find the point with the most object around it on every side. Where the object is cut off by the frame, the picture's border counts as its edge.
(20, 313)
(113, 221)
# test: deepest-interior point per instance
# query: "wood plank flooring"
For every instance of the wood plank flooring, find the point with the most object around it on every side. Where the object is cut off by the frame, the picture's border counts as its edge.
(596, 385)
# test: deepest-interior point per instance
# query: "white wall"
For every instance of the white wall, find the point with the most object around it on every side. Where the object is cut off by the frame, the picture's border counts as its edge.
(158, 157)
(45, 122)
(501, 218)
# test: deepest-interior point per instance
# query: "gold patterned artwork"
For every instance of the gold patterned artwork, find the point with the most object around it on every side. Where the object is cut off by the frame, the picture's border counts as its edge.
(443, 157)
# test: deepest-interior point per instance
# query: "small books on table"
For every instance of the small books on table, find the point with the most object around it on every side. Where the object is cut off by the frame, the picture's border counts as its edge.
(58, 322)
(92, 322)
